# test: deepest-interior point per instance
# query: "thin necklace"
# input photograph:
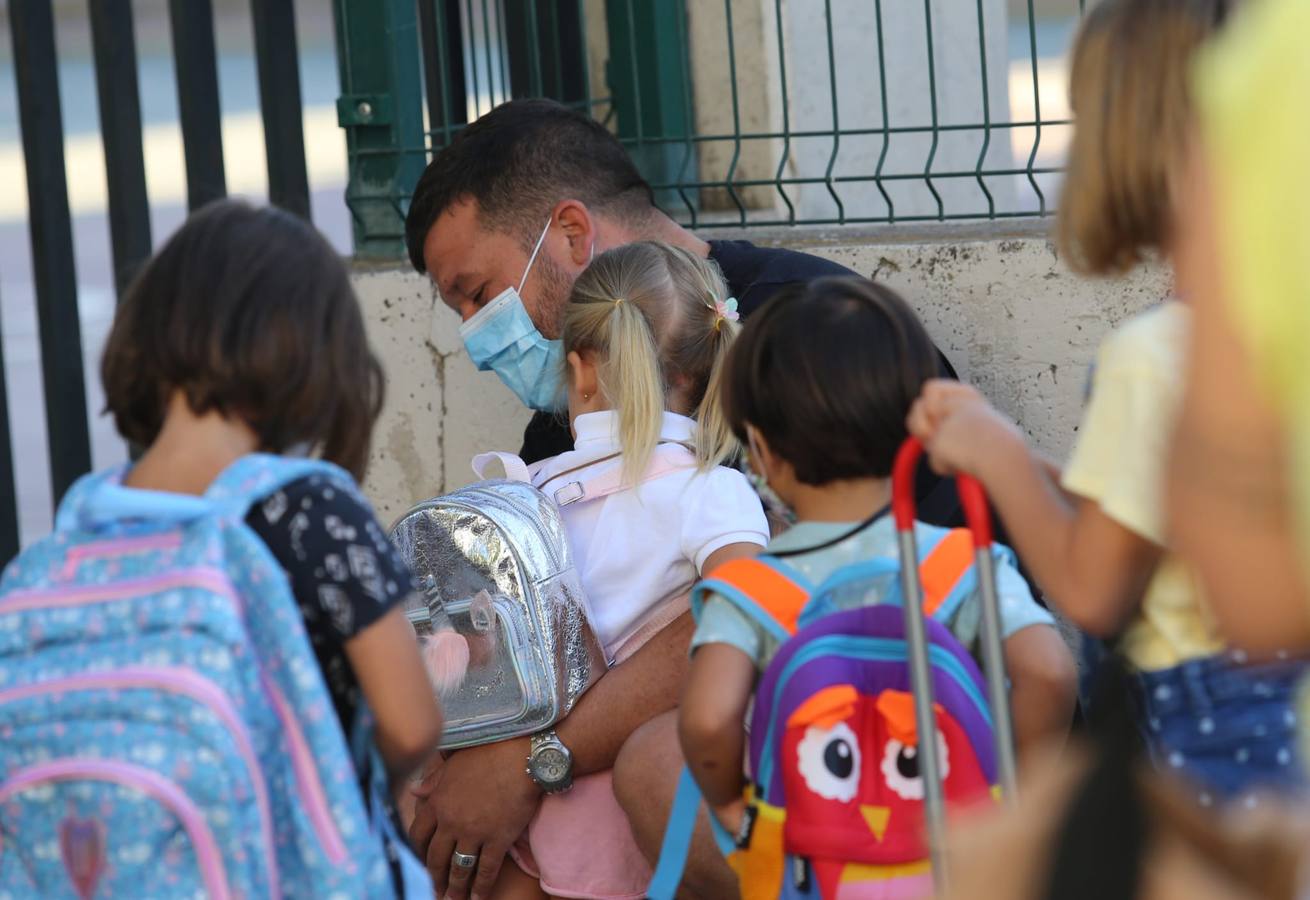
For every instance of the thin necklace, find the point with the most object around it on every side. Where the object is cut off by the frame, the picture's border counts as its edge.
(845, 536)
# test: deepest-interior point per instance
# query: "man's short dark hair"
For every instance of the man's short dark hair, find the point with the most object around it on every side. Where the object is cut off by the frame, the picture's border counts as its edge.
(827, 372)
(517, 162)
(249, 312)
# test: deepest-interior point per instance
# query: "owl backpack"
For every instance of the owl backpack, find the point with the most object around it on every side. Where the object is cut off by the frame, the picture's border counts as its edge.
(841, 803)
(165, 730)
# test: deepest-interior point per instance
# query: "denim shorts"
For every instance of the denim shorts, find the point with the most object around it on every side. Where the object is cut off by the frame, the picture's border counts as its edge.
(1228, 727)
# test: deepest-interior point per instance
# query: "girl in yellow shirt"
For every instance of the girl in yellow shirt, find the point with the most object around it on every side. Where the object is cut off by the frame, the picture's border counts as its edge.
(1094, 536)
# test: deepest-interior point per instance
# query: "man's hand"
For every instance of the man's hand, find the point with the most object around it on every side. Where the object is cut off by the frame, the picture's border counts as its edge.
(480, 799)
(478, 802)
(958, 427)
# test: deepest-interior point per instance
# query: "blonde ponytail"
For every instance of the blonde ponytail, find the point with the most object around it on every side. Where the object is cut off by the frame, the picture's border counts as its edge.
(715, 441)
(631, 380)
(654, 314)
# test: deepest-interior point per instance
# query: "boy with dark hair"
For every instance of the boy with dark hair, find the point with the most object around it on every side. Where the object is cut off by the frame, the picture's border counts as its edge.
(818, 387)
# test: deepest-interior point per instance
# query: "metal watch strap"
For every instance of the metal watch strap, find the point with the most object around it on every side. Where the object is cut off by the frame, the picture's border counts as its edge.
(542, 737)
(538, 740)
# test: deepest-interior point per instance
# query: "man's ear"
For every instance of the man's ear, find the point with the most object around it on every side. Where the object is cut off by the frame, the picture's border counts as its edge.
(579, 227)
(582, 372)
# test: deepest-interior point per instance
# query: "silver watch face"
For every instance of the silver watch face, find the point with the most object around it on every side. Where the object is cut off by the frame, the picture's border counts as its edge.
(550, 765)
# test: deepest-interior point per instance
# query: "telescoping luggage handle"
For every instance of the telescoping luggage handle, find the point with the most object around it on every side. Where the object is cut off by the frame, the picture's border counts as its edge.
(978, 519)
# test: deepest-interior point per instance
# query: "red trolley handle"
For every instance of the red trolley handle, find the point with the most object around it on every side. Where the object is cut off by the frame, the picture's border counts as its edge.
(972, 496)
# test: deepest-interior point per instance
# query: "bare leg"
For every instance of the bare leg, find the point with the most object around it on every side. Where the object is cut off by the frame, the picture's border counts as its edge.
(645, 780)
(515, 884)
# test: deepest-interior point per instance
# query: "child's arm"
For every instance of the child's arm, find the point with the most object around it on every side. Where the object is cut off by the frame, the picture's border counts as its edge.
(711, 719)
(1043, 687)
(386, 661)
(1094, 569)
(726, 554)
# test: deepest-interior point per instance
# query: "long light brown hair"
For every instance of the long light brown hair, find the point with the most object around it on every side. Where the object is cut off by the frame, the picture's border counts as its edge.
(1128, 89)
(649, 311)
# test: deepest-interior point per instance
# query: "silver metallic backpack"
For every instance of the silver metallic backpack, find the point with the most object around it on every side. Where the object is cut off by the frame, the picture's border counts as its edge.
(494, 563)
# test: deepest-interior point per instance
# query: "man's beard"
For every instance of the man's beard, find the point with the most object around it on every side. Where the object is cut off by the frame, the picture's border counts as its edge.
(554, 287)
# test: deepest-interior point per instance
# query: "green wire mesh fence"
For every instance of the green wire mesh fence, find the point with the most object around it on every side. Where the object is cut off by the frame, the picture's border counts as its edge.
(739, 112)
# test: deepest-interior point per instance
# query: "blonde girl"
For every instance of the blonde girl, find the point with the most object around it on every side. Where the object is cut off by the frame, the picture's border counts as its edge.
(1094, 535)
(646, 331)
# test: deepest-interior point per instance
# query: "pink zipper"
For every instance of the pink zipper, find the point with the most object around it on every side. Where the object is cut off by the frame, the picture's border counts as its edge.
(169, 540)
(156, 786)
(308, 783)
(209, 579)
(186, 683)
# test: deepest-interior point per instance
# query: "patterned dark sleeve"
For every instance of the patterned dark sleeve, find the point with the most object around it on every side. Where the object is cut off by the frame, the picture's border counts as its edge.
(344, 572)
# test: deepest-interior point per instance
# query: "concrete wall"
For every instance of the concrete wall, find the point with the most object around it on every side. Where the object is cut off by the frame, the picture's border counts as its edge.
(997, 300)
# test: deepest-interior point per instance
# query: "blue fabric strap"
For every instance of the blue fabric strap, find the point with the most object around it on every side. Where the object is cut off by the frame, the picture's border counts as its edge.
(100, 500)
(416, 883)
(723, 837)
(677, 839)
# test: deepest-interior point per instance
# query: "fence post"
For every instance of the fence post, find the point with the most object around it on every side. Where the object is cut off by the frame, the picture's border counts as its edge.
(547, 47)
(120, 129)
(195, 62)
(443, 68)
(8, 488)
(380, 109)
(278, 65)
(649, 83)
(37, 74)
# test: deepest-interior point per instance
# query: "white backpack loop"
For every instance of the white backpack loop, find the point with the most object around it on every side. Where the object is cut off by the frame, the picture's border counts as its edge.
(515, 468)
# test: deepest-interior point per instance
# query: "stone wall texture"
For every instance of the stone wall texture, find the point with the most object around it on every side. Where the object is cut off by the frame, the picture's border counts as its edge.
(997, 299)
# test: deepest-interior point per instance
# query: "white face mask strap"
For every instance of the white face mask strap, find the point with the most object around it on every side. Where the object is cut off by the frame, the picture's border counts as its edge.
(752, 448)
(533, 257)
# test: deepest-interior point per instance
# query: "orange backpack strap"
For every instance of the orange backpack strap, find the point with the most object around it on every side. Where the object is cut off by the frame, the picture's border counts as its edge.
(942, 572)
(764, 588)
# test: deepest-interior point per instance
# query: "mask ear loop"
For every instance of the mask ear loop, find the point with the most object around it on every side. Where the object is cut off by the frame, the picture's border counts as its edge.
(533, 257)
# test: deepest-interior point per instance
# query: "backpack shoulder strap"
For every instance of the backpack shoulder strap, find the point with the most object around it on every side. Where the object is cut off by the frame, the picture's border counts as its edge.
(100, 499)
(677, 839)
(71, 512)
(257, 475)
(667, 459)
(764, 588)
(946, 573)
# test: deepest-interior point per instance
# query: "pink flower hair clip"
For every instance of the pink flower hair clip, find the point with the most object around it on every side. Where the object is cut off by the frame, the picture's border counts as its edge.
(725, 309)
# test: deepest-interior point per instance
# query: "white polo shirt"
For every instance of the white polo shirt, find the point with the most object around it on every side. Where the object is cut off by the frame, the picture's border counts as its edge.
(647, 544)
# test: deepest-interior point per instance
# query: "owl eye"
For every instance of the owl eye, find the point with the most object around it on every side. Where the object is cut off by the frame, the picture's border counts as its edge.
(830, 761)
(900, 767)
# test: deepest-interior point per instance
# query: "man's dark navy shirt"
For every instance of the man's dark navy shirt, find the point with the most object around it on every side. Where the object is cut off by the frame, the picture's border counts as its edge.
(754, 274)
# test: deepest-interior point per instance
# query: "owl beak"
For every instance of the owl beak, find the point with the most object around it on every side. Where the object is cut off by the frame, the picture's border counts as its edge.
(876, 817)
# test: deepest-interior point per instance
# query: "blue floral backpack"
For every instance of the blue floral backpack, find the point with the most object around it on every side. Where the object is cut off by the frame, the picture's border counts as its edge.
(164, 726)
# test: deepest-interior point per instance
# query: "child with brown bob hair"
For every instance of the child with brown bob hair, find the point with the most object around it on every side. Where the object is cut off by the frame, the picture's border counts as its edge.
(243, 336)
(1094, 535)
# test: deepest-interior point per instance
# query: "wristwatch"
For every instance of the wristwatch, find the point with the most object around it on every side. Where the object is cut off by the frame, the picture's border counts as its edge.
(550, 764)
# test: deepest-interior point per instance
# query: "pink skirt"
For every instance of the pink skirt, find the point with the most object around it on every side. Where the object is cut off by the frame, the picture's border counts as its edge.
(579, 843)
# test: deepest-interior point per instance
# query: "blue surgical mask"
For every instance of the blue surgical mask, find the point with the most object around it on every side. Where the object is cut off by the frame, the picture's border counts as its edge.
(502, 338)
